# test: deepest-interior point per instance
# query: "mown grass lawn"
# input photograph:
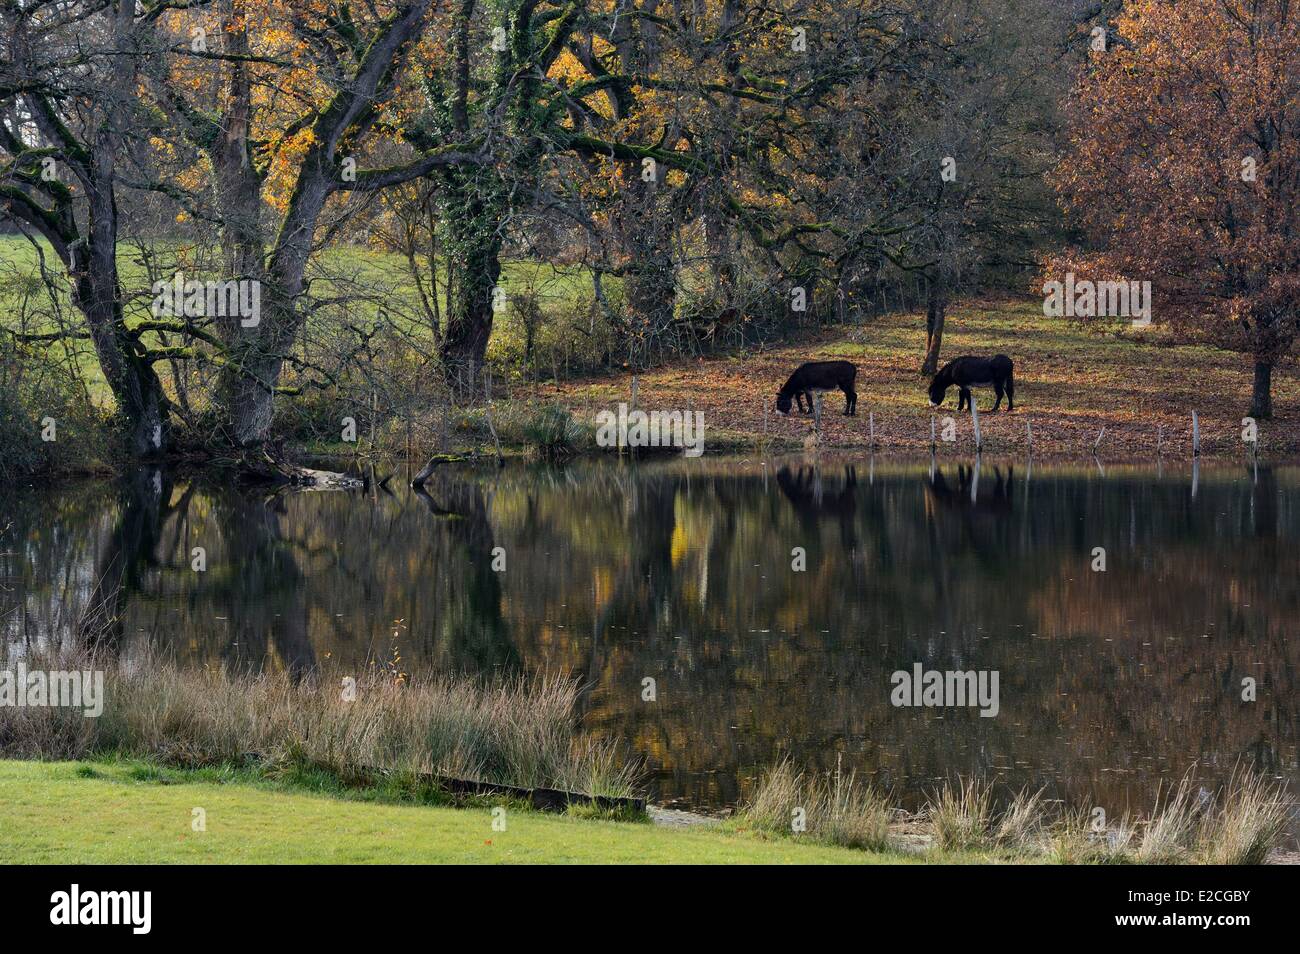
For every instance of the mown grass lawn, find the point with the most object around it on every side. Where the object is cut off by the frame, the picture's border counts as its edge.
(95, 813)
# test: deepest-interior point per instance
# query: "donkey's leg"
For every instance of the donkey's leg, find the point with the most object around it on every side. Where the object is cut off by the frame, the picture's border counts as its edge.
(963, 398)
(1011, 392)
(998, 390)
(850, 401)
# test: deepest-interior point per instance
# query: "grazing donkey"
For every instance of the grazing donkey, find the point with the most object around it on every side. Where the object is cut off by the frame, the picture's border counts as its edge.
(967, 372)
(819, 376)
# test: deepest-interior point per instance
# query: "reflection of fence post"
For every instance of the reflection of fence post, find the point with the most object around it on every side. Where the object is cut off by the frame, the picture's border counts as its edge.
(1196, 435)
(975, 420)
(487, 407)
(690, 416)
(622, 430)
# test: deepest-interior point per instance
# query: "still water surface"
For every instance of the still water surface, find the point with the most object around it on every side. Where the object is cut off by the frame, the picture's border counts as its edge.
(680, 571)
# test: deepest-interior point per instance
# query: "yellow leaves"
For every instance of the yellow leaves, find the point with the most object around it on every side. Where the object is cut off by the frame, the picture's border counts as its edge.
(192, 178)
(162, 147)
(567, 67)
(286, 158)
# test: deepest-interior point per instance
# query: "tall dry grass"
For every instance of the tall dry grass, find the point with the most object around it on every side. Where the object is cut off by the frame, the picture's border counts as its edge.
(961, 816)
(511, 731)
(1172, 831)
(836, 809)
(1241, 824)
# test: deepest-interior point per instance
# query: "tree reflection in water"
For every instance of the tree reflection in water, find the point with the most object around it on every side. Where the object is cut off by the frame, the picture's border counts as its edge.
(681, 571)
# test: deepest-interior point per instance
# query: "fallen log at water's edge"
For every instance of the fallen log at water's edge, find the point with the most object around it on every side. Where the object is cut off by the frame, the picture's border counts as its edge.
(541, 799)
(268, 466)
(427, 470)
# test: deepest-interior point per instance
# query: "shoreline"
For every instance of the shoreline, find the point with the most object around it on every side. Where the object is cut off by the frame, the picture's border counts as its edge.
(247, 819)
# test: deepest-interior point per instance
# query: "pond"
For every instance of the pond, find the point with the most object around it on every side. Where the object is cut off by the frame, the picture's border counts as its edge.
(712, 647)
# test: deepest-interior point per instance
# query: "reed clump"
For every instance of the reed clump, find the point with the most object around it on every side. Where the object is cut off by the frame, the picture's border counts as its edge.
(1240, 824)
(508, 731)
(836, 809)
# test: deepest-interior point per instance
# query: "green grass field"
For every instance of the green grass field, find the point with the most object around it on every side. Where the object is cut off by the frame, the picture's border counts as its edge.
(124, 813)
(369, 281)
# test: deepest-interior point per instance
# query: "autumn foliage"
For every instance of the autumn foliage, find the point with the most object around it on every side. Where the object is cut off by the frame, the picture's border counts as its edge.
(1183, 170)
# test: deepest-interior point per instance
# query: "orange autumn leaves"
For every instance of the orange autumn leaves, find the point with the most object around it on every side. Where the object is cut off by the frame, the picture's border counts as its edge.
(1183, 164)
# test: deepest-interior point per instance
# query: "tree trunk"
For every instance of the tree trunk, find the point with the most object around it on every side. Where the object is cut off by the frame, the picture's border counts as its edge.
(93, 269)
(136, 389)
(936, 313)
(643, 221)
(1261, 401)
(245, 392)
(257, 355)
(91, 258)
(469, 317)
(473, 208)
(237, 183)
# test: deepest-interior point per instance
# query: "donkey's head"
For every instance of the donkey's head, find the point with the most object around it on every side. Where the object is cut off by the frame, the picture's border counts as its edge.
(938, 388)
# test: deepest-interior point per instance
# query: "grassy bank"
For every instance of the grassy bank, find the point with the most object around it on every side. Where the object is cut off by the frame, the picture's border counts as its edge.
(348, 725)
(337, 768)
(1072, 380)
(131, 812)
(123, 813)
